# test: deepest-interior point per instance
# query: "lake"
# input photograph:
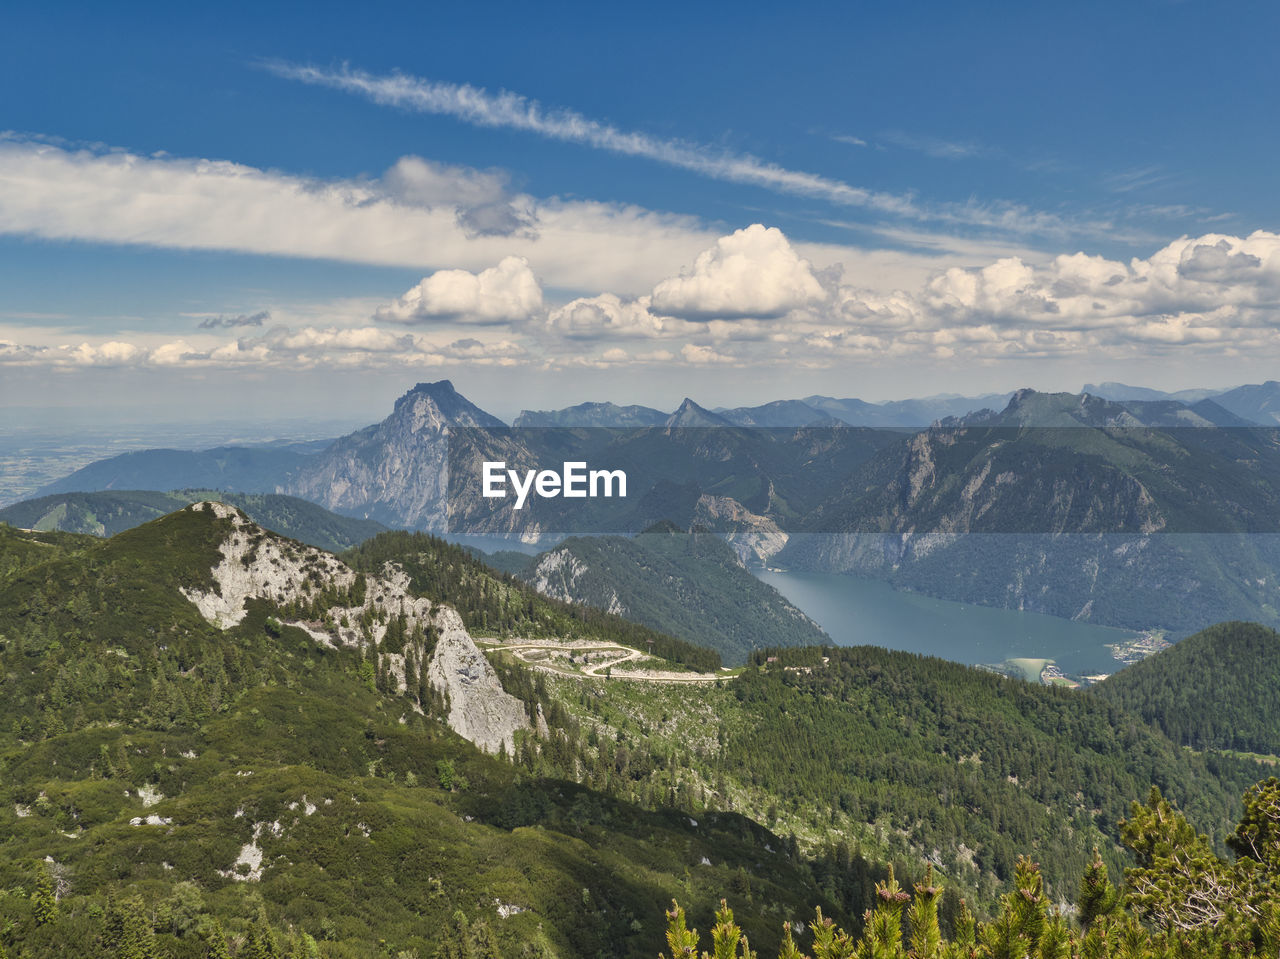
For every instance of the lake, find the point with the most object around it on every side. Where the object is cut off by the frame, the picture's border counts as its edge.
(864, 612)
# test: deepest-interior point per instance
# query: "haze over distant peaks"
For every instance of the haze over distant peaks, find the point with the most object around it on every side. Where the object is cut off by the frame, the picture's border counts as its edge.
(780, 413)
(593, 414)
(1111, 390)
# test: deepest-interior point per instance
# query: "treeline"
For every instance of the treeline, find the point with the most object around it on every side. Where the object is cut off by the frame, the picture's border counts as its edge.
(1181, 902)
(942, 753)
(1219, 689)
(493, 603)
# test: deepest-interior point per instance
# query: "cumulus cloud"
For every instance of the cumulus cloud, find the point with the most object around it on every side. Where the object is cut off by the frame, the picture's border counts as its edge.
(703, 355)
(608, 315)
(506, 293)
(1213, 293)
(753, 272)
(228, 322)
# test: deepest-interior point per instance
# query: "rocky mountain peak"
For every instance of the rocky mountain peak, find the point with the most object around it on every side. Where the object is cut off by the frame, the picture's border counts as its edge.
(690, 413)
(437, 405)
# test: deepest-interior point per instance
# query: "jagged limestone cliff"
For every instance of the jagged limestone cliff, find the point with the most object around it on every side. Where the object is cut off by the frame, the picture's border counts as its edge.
(256, 564)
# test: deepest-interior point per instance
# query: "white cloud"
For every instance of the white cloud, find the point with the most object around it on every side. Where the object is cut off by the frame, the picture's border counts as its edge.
(608, 315)
(506, 293)
(484, 205)
(753, 272)
(1215, 293)
(703, 355)
(408, 220)
(419, 214)
(280, 348)
(935, 147)
(512, 111)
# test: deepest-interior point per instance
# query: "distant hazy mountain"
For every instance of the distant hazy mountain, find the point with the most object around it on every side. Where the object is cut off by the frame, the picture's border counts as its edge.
(250, 469)
(905, 413)
(780, 413)
(690, 585)
(690, 414)
(1126, 523)
(1032, 468)
(1028, 408)
(113, 511)
(592, 414)
(1120, 392)
(1259, 403)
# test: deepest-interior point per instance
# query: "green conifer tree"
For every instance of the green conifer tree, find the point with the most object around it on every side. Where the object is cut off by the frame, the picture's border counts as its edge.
(1098, 898)
(217, 947)
(922, 919)
(44, 907)
(484, 944)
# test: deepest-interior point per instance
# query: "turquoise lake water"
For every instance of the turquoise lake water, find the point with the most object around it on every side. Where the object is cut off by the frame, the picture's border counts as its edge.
(863, 612)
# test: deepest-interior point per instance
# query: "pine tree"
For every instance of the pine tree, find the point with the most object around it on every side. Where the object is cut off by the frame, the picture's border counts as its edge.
(44, 906)
(137, 938)
(218, 943)
(922, 918)
(1258, 835)
(681, 940)
(484, 944)
(1098, 898)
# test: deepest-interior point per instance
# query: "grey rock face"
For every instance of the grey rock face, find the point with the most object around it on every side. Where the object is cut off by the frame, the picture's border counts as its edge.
(257, 564)
(479, 709)
(395, 471)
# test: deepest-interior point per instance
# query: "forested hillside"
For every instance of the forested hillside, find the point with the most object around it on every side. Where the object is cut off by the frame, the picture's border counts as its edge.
(1218, 689)
(894, 756)
(1181, 900)
(687, 584)
(200, 791)
(169, 787)
(493, 603)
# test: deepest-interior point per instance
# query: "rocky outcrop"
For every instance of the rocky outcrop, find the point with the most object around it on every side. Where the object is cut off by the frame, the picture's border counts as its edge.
(462, 673)
(256, 564)
(753, 537)
(557, 575)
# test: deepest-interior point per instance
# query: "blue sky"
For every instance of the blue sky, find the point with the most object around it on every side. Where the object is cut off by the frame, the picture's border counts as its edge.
(264, 208)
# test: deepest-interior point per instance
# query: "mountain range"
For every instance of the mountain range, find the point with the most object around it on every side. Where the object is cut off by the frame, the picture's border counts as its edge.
(303, 467)
(1061, 503)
